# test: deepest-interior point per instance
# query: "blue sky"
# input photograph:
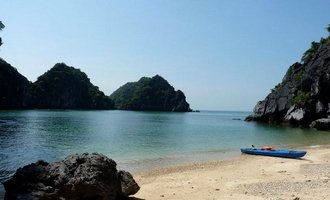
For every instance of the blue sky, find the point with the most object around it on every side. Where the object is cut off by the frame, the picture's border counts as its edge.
(224, 55)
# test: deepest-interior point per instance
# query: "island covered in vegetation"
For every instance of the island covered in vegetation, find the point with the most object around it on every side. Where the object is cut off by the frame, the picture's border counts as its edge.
(62, 87)
(65, 87)
(154, 94)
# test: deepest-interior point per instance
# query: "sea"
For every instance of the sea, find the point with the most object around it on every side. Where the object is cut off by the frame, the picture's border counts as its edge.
(138, 141)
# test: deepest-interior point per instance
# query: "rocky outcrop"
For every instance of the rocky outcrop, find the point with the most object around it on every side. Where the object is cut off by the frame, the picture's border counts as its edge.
(303, 95)
(84, 176)
(150, 94)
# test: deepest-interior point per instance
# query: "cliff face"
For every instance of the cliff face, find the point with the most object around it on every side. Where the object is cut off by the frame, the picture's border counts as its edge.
(64, 87)
(14, 88)
(303, 96)
(154, 94)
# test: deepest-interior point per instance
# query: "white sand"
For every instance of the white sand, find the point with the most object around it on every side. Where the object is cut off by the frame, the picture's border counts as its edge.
(246, 177)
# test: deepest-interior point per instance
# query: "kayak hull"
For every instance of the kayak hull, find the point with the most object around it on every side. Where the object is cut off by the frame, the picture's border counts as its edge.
(277, 153)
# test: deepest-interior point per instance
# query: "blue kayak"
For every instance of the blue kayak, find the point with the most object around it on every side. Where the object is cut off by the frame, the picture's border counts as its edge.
(277, 153)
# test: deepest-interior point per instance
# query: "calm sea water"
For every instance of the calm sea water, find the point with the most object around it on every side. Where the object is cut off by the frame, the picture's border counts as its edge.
(137, 140)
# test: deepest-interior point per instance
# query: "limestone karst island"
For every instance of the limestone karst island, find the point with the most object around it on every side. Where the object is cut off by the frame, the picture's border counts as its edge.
(64, 87)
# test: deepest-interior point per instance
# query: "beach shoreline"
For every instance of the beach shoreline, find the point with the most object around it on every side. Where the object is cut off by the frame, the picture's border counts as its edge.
(243, 177)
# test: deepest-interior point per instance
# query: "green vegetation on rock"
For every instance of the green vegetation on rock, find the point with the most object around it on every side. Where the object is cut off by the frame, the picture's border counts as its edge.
(300, 98)
(150, 94)
(298, 77)
(277, 87)
(310, 53)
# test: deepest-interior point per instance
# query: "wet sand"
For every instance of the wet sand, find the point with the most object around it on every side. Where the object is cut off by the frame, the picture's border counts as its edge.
(245, 177)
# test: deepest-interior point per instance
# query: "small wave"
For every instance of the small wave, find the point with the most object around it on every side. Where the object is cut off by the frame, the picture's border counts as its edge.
(7, 121)
(314, 146)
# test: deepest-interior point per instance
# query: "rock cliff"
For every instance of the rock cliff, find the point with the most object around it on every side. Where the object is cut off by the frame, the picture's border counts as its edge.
(303, 96)
(150, 94)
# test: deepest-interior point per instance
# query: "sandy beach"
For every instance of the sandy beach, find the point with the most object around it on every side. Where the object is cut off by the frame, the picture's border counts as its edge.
(245, 177)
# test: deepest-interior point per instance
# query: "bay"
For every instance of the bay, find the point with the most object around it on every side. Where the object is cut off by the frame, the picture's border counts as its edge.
(138, 140)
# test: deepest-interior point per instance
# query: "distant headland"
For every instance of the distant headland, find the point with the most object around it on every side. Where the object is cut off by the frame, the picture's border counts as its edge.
(65, 87)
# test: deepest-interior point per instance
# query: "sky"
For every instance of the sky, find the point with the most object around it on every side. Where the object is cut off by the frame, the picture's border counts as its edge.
(223, 54)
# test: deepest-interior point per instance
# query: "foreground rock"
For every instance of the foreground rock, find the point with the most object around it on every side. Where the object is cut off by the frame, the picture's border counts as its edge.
(83, 176)
(303, 95)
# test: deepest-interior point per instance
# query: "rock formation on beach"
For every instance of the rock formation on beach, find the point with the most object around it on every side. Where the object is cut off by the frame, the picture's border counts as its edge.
(150, 94)
(79, 176)
(303, 96)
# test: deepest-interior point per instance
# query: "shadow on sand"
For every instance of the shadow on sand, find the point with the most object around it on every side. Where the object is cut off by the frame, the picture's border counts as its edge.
(133, 198)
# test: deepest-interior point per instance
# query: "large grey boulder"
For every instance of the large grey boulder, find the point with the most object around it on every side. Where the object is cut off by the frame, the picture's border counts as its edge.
(79, 176)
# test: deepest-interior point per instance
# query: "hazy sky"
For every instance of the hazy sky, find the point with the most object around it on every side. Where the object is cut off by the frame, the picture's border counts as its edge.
(224, 55)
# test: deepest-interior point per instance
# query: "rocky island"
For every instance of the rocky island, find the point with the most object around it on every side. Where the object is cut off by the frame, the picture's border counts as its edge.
(302, 98)
(66, 87)
(150, 94)
(62, 87)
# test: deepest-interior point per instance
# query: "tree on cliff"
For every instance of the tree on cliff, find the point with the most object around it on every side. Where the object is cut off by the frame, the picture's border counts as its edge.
(310, 53)
(2, 26)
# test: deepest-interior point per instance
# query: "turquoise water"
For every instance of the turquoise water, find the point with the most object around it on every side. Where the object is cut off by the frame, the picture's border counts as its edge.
(137, 140)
